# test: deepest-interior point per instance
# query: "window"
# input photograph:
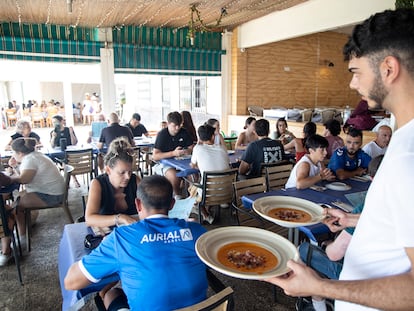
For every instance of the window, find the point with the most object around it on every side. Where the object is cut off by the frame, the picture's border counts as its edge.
(193, 94)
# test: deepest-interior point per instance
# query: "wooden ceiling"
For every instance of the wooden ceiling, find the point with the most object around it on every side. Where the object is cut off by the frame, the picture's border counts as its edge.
(154, 13)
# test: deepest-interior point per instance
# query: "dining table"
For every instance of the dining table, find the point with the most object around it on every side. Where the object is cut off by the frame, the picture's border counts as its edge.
(71, 250)
(183, 164)
(333, 198)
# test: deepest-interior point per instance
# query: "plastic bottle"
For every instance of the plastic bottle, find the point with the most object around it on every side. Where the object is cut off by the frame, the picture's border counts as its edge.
(347, 113)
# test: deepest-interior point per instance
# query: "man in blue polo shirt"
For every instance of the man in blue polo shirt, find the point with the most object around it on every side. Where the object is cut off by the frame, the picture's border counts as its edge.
(350, 160)
(155, 258)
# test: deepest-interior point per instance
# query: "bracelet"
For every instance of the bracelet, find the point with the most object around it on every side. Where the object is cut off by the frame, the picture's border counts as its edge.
(117, 220)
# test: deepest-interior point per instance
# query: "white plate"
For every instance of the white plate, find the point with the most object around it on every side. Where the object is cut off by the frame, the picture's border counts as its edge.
(339, 186)
(208, 245)
(264, 205)
(229, 152)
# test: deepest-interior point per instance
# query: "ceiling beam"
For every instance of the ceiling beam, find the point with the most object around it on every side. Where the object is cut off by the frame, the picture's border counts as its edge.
(309, 17)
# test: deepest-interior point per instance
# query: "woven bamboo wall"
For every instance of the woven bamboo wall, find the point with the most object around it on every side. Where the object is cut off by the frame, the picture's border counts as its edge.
(292, 73)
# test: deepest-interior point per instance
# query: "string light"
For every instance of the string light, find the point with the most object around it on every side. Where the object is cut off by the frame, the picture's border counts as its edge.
(108, 14)
(19, 12)
(78, 18)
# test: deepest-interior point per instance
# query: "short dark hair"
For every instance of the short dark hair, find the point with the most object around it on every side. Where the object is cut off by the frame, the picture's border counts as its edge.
(391, 31)
(248, 121)
(354, 132)
(309, 129)
(136, 116)
(58, 117)
(175, 117)
(205, 132)
(155, 192)
(24, 145)
(316, 141)
(262, 127)
(212, 122)
(333, 126)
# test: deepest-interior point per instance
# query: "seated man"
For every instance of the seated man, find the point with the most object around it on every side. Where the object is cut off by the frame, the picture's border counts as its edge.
(263, 150)
(155, 258)
(96, 128)
(172, 141)
(350, 160)
(114, 130)
(109, 133)
(136, 127)
(310, 168)
(380, 144)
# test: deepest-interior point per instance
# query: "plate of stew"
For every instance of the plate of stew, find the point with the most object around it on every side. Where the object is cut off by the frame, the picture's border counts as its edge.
(288, 212)
(246, 252)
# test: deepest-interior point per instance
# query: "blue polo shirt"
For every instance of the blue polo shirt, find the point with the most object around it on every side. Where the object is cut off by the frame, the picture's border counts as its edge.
(341, 160)
(156, 262)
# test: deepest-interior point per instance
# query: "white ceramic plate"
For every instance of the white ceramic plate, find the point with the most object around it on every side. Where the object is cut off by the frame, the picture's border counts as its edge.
(208, 245)
(264, 205)
(339, 186)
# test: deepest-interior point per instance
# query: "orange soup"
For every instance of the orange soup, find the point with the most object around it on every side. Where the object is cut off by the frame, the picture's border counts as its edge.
(290, 214)
(246, 257)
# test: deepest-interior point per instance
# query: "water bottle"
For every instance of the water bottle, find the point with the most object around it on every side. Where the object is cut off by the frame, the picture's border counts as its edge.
(347, 113)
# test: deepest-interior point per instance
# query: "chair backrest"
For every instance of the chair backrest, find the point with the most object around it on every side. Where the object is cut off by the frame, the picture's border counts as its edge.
(307, 115)
(218, 302)
(277, 176)
(248, 186)
(218, 187)
(136, 163)
(327, 114)
(255, 111)
(81, 161)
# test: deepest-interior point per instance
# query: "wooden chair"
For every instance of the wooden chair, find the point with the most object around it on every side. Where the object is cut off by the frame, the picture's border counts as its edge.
(246, 187)
(223, 300)
(65, 205)
(277, 175)
(11, 117)
(13, 233)
(84, 164)
(37, 117)
(217, 189)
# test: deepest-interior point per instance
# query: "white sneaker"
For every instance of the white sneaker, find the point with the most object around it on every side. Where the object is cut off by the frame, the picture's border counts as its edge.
(4, 259)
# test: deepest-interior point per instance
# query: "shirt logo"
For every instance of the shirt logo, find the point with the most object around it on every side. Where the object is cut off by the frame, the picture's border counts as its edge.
(168, 237)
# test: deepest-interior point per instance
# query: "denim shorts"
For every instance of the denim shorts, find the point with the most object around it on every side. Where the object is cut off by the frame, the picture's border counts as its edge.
(50, 199)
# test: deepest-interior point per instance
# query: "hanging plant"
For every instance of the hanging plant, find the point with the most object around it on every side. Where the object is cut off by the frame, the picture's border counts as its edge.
(404, 4)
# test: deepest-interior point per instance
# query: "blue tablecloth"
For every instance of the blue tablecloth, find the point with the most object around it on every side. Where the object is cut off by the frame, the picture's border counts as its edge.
(326, 196)
(183, 165)
(71, 249)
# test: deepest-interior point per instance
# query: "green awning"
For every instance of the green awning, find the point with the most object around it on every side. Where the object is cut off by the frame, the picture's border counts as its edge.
(166, 60)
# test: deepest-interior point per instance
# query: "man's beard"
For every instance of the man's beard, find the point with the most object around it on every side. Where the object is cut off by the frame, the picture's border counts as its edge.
(378, 93)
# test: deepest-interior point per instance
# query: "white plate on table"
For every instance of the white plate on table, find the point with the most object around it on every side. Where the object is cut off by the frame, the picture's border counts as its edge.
(338, 186)
(209, 244)
(230, 152)
(264, 206)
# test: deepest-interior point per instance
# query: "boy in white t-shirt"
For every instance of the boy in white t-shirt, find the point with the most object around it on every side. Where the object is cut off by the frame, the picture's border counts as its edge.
(207, 156)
